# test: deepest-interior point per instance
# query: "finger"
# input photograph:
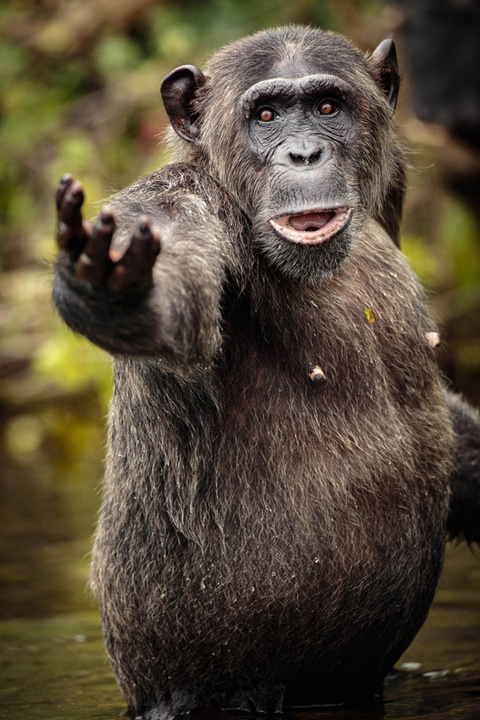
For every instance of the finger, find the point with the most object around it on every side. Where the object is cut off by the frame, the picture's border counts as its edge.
(70, 209)
(72, 232)
(135, 266)
(64, 183)
(94, 263)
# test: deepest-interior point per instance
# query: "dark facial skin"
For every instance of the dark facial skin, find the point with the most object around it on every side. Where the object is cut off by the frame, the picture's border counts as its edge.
(299, 124)
(299, 131)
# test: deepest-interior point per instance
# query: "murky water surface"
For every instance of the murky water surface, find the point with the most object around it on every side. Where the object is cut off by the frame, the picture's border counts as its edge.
(52, 661)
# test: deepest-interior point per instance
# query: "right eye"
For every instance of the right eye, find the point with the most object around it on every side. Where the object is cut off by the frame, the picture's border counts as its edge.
(266, 114)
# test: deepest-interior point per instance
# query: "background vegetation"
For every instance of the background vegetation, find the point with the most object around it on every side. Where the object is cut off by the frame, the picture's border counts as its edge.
(79, 93)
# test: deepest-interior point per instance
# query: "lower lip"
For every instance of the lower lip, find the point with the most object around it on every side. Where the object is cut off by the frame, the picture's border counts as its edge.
(318, 237)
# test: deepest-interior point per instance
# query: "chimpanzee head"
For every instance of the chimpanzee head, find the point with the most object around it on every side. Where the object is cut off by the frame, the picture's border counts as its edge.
(296, 124)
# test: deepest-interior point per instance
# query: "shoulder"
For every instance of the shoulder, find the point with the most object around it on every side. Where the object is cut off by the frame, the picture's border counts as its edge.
(180, 187)
(377, 255)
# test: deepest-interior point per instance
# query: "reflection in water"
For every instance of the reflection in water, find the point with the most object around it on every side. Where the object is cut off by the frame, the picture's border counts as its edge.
(48, 502)
(52, 660)
(56, 669)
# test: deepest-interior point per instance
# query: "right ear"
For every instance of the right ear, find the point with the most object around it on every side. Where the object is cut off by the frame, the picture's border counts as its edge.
(179, 90)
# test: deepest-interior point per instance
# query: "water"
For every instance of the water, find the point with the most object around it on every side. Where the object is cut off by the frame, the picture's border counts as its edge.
(56, 669)
(52, 661)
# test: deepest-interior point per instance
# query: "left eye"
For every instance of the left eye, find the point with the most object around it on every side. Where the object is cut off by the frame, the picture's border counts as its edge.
(328, 107)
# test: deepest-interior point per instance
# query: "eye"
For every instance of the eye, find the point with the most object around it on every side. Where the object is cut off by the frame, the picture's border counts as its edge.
(328, 107)
(266, 114)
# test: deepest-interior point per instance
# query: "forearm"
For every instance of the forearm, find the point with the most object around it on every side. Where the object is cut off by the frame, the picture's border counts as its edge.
(142, 288)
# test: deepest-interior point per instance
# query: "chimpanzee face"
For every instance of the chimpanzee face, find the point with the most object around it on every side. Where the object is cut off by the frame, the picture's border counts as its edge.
(299, 133)
(297, 141)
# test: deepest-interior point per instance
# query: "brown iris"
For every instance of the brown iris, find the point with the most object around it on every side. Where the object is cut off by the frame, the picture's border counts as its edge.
(327, 108)
(266, 115)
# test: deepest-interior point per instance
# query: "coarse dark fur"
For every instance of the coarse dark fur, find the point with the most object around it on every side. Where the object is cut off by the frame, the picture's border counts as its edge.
(464, 514)
(264, 538)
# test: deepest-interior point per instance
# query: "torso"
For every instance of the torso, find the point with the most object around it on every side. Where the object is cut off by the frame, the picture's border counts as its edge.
(317, 508)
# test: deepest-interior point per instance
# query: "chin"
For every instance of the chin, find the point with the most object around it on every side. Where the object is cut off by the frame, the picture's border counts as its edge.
(305, 263)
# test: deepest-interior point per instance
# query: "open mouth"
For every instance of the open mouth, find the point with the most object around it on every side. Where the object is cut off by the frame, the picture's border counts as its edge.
(313, 227)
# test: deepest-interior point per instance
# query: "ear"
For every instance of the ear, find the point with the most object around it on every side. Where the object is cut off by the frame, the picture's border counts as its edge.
(384, 68)
(179, 90)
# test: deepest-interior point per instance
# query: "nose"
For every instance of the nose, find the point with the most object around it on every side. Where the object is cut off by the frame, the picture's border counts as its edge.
(301, 152)
(305, 158)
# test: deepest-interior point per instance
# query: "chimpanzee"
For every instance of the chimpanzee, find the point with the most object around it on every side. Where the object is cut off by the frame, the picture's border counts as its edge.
(280, 447)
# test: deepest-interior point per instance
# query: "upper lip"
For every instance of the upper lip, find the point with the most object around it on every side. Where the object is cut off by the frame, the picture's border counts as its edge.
(311, 227)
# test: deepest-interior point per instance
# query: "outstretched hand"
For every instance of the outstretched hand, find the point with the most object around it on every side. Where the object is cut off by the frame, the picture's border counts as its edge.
(88, 246)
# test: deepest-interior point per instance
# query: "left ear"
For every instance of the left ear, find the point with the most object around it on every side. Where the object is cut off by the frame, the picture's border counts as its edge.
(179, 90)
(384, 68)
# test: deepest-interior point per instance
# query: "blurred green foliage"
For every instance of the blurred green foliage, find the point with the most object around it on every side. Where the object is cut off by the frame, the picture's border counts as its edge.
(79, 86)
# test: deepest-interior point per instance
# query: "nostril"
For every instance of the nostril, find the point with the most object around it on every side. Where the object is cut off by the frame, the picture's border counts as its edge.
(311, 159)
(297, 159)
